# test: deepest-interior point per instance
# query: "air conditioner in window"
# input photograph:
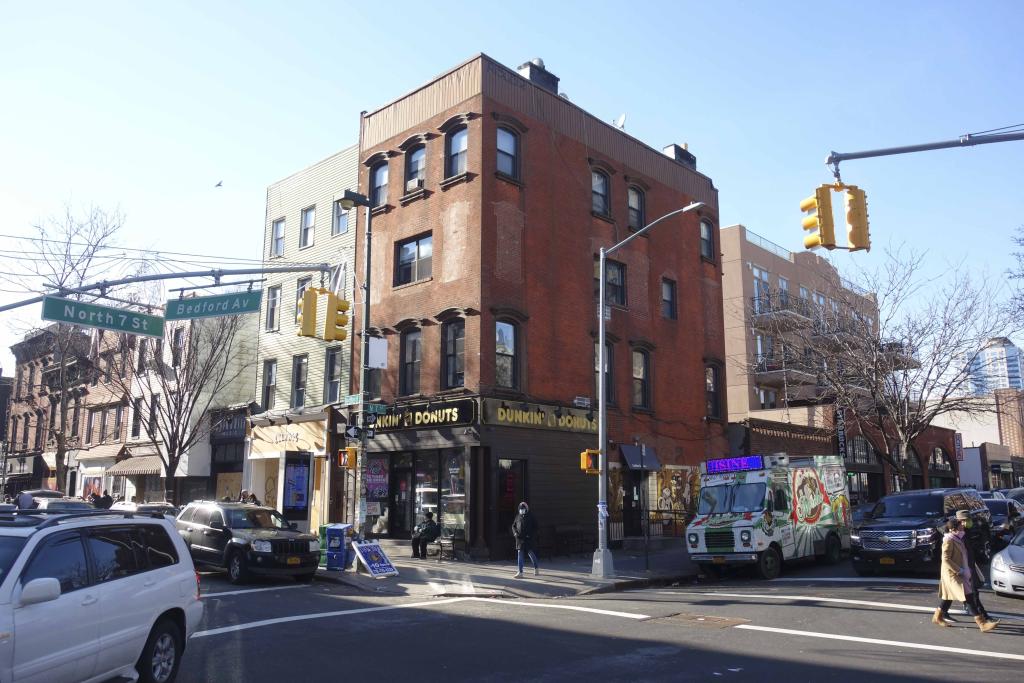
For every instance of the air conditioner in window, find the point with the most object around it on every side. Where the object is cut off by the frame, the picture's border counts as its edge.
(413, 184)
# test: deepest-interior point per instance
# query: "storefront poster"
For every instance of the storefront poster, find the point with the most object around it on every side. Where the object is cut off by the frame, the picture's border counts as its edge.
(296, 486)
(375, 560)
(376, 478)
(91, 485)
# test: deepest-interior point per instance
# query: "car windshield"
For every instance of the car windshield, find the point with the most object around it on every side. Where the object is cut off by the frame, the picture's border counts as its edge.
(996, 507)
(10, 546)
(255, 519)
(908, 506)
(716, 500)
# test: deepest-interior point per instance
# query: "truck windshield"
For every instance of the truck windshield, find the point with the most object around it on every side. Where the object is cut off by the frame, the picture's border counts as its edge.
(715, 500)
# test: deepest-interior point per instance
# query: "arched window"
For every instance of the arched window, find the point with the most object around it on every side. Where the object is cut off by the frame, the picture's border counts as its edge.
(415, 168)
(641, 379)
(637, 210)
(455, 157)
(599, 193)
(508, 153)
(506, 354)
(453, 354)
(379, 184)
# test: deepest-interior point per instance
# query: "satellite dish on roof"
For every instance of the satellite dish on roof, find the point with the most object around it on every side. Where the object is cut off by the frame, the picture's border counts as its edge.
(620, 122)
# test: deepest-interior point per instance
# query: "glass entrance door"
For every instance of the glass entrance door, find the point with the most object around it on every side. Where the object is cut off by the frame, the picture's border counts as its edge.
(401, 502)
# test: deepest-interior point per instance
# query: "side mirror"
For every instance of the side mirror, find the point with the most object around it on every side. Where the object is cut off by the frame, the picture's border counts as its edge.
(40, 590)
(293, 526)
(216, 524)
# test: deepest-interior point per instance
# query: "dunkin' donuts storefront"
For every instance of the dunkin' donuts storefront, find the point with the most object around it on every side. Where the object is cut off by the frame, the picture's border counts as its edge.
(470, 460)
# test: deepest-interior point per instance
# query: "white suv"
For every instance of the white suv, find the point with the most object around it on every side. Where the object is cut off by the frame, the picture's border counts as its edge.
(90, 596)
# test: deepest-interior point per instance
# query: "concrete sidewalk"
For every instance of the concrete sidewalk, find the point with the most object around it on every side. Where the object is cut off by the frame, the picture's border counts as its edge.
(559, 577)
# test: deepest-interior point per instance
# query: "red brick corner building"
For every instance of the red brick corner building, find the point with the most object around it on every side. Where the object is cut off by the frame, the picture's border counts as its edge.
(493, 194)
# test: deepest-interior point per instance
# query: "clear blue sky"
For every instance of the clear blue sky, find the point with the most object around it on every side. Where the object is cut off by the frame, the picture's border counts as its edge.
(145, 106)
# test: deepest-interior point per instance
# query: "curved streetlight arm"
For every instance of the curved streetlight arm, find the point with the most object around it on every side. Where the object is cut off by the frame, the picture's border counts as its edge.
(691, 207)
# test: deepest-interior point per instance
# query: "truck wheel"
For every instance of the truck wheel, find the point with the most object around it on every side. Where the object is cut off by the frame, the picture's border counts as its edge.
(833, 549)
(769, 564)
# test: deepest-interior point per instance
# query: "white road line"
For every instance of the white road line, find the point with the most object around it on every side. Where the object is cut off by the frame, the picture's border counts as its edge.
(879, 641)
(386, 608)
(319, 615)
(854, 579)
(843, 601)
(252, 590)
(573, 608)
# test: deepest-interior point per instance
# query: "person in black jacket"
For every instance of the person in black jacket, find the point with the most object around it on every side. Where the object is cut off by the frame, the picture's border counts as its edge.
(524, 528)
(424, 533)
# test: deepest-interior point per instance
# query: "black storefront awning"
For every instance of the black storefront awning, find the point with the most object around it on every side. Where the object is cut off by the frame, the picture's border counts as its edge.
(637, 459)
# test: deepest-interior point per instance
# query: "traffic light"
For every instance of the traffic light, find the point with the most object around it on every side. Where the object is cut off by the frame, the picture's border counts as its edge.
(306, 316)
(347, 457)
(819, 219)
(590, 461)
(857, 235)
(336, 320)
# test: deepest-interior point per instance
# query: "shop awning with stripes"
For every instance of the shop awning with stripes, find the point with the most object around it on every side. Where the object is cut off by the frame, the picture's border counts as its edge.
(139, 465)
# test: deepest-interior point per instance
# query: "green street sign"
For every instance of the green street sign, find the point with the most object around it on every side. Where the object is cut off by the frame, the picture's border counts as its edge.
(353, 399)
(61, 310)
(378, 408)
(213, 306)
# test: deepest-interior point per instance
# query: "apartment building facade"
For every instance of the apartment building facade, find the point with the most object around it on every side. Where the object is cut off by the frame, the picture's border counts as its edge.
(996, 366)
(492, 195)
(775, 301)
(299, 379)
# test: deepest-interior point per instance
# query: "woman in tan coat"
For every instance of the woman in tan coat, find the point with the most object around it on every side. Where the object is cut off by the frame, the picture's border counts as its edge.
(955, 578)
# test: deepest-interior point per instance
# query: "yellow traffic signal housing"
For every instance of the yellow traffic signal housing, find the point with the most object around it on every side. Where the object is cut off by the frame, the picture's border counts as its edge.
(819, 219)
(590, 461)
(336, 319)
(306, 317)
(347, 457)
(857, 235)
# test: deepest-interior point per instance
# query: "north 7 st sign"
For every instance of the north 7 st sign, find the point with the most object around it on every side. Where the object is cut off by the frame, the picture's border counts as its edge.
(61, 310)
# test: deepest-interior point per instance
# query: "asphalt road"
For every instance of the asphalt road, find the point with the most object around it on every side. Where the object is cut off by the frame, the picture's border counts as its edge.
(817, 623)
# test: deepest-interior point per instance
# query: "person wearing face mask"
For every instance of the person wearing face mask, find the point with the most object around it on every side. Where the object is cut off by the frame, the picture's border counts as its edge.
(524, 528)
(956, 580)
(977, 577)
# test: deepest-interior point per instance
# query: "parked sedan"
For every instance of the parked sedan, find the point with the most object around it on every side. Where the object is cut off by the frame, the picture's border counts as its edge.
(1007, 568)
(1016, 494)
(1007, 520)
(992, 495)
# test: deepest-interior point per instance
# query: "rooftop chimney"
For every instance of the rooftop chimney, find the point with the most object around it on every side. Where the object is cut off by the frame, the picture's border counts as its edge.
(681, 154)
(535, 72)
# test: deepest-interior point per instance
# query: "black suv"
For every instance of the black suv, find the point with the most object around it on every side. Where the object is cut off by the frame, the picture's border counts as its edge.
(247, 539)
(903, 532)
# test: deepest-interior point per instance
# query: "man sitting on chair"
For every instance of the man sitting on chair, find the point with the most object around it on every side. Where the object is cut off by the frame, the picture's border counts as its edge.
(424, 533)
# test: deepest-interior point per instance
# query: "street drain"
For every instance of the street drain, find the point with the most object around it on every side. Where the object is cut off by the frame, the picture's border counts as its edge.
(703, 620)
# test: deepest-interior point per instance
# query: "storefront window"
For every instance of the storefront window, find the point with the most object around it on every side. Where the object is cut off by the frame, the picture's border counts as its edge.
(453, 494)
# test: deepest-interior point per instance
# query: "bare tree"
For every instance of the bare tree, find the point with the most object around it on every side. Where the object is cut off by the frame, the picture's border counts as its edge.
(66, 252)
(894, 350)
(175, 381)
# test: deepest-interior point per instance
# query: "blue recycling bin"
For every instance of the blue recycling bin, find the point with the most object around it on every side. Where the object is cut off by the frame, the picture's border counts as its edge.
(337, 536)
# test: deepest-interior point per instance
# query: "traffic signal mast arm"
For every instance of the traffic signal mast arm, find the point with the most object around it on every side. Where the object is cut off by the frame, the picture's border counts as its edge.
(966, 140)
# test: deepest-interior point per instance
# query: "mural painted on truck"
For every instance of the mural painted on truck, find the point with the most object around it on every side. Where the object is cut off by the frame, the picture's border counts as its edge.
(819, 503)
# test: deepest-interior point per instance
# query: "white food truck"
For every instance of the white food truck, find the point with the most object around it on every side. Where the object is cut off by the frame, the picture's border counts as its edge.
(765, 509)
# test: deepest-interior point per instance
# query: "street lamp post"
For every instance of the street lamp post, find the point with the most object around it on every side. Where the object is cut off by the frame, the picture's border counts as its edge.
(348, 201)
(603, 565)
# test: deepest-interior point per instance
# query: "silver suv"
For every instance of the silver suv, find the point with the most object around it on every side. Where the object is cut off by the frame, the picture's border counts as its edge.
(90, 596)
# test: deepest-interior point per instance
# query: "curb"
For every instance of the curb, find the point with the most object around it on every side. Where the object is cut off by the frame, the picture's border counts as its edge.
(633, 584)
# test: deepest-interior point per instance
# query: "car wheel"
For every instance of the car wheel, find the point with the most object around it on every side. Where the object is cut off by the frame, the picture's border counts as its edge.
(162, 655)
(769, 564)
(305, 578)
(833, 549)
(238, 572)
